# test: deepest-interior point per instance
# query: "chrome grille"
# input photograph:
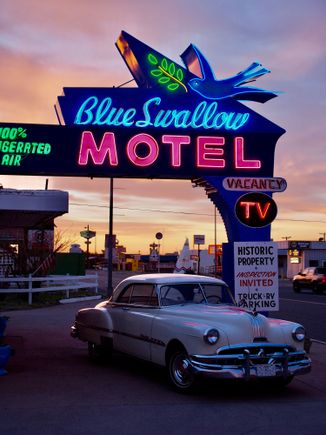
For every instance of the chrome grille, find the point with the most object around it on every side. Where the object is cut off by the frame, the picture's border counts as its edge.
(262, 353)
(258, 329)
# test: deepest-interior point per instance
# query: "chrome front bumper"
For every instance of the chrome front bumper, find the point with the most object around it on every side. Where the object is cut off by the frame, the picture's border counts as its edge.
(252, 361)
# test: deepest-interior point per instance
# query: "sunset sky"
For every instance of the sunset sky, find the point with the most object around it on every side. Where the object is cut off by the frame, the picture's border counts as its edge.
(48, 45)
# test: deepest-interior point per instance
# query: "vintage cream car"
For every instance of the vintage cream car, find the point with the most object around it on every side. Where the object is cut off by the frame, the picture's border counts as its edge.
(190, 325)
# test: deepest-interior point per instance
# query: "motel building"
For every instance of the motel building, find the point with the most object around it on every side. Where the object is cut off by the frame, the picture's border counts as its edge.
(27, 228)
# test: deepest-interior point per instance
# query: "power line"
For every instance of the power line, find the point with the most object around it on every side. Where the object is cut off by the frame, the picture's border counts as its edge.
(143, 209)
(155, 210)
(301, 220)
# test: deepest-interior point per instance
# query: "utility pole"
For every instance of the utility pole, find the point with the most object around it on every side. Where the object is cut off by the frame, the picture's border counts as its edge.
(324, 237)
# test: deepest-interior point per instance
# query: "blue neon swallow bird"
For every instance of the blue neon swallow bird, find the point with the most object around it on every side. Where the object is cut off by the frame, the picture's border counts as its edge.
(209, 87)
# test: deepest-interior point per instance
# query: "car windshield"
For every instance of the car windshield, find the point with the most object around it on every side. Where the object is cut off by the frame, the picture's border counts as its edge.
(321, 270)
(194, 293)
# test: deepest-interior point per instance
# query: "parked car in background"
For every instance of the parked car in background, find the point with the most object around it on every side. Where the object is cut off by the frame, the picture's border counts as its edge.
(313, 278)
(191, 325)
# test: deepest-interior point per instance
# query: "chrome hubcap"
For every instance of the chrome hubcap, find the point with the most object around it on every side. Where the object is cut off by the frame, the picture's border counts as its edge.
(182, 370)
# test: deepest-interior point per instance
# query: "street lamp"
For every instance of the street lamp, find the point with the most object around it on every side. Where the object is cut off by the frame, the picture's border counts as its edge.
(159, 237)
(322, 239)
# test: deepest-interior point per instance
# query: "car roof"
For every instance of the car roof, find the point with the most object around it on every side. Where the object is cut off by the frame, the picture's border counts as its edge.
(166, 278)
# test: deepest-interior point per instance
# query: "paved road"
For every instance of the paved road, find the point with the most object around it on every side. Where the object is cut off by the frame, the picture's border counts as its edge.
(305, 307)
(52, 389)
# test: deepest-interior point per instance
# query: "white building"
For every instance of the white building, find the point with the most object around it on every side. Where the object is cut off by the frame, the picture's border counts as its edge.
(294, 256)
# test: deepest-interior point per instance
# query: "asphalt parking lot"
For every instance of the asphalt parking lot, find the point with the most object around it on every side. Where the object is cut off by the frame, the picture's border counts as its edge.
(52, 388)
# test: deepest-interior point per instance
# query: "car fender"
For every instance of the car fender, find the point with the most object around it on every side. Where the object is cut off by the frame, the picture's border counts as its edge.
(93, 324)
(187, 333)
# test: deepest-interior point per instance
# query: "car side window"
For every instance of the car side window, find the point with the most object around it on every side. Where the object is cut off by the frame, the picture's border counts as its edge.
(171, 295)
(144, 294)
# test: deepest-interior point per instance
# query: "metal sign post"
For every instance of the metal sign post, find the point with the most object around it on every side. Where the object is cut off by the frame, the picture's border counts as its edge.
(110, 253)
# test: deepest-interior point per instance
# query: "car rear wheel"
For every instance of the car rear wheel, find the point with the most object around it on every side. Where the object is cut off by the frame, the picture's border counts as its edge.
(98, 352)
(180, 372)
(316, 289)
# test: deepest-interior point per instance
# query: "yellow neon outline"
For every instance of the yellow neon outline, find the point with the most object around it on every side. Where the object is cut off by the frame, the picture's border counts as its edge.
(176, 80)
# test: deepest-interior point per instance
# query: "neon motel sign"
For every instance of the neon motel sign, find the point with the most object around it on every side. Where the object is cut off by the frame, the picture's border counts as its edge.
(179, 123)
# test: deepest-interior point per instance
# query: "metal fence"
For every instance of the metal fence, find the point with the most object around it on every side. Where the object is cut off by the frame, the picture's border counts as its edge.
(64, 283)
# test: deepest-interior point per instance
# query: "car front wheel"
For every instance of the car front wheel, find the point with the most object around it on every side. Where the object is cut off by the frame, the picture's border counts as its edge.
(180, 371)
(277, 383)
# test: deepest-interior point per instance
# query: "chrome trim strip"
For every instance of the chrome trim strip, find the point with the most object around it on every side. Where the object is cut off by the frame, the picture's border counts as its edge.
(150, 340)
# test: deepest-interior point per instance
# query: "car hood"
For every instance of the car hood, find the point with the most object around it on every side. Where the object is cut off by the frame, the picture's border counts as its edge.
(237, 324)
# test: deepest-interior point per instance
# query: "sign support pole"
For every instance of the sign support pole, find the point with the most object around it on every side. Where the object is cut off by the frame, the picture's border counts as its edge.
(215, 241)
(198, 251)
(110, 265)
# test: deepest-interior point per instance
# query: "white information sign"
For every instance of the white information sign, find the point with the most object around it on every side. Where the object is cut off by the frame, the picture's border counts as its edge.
(256, 275)
(199, 239)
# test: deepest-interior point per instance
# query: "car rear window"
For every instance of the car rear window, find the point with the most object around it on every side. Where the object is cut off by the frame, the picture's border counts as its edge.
(138, 294)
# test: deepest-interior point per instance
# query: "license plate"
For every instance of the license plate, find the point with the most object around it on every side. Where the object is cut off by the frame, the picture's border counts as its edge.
(266, 370)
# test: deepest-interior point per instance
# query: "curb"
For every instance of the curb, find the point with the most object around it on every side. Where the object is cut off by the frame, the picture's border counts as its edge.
(313, 340)
(85, 298)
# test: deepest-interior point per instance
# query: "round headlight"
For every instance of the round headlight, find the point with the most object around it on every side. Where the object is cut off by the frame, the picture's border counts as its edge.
(212, 336)
(299, 333)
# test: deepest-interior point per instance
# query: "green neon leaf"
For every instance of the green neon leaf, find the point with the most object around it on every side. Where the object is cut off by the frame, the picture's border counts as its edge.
(172, 69)
(164, 80)
(156, 72)
(164, 64)
(173, 86)
(179, 74)
(153, 60)
(166, 73)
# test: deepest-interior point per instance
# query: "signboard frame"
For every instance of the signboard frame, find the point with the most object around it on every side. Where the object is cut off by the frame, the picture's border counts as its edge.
(256, 285)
